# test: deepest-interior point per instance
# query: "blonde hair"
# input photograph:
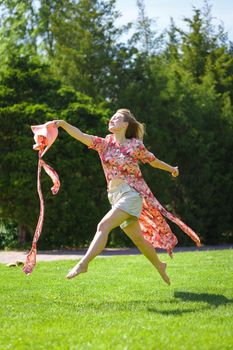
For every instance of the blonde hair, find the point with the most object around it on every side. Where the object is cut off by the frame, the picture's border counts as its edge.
(135, 129)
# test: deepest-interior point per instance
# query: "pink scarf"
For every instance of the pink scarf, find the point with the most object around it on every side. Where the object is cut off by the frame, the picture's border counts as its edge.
(31, 257)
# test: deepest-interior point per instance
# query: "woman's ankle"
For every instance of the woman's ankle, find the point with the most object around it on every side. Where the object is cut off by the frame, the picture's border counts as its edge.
(159, 265)
(83, 264)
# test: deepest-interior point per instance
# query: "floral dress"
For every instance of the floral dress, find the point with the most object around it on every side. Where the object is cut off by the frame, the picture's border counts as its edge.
(121, 161)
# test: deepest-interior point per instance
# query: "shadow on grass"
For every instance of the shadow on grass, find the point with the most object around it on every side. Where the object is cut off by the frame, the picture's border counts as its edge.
(211, 299)
(181, 302)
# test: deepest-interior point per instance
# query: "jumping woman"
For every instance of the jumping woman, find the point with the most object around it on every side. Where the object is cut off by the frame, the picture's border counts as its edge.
(134, 207)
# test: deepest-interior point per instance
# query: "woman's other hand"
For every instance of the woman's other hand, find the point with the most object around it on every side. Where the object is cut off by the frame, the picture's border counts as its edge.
(175, 171)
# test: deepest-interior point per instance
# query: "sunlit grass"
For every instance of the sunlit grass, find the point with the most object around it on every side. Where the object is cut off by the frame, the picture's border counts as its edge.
(121, 303)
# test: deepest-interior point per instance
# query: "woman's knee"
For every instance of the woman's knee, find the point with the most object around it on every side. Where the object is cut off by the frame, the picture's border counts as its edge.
(103, 227)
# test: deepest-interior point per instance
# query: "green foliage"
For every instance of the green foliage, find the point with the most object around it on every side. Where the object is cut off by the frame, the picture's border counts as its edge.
(29, 80)
(17, 28)
(85, 55)
(186, 101)
(65, 59)
(8, 234)
(19, 200)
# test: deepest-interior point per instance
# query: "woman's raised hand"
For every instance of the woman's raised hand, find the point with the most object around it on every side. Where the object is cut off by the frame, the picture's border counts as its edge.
(59, 122)
(175, 171)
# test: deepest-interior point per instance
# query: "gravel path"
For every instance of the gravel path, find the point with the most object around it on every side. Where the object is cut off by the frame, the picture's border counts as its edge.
(49, 255)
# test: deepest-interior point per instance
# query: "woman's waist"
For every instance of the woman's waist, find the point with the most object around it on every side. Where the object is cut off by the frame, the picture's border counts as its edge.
(117, 184)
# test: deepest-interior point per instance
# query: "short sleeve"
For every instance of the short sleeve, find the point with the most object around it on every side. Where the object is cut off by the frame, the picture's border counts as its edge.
(98, 143)
(143, 154)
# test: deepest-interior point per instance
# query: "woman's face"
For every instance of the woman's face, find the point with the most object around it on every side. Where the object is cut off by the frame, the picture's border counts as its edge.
(116, 123)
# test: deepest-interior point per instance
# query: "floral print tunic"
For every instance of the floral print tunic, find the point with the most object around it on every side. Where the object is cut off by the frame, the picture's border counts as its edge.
(121, 161)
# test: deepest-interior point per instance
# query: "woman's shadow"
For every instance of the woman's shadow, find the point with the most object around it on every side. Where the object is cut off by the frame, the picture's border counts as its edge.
(212, 300)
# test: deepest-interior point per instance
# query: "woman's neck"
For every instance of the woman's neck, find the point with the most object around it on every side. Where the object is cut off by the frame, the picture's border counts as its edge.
(120, 138)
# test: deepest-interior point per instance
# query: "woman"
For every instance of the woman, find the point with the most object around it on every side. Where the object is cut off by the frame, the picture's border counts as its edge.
(134, 207)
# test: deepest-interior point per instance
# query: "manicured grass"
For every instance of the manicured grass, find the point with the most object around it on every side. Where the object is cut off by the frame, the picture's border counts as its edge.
(120, 303)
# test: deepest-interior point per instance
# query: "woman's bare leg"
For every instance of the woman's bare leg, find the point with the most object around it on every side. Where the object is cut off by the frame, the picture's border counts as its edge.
(134, 232)
(111, 220)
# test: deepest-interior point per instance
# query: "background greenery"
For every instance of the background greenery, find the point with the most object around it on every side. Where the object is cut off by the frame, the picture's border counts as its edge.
(67, 60)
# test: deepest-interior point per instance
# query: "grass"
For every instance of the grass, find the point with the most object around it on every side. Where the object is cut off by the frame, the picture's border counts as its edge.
(121, 303)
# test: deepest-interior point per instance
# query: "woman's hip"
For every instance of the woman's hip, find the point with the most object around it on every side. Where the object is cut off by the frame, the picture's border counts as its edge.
(126, 198)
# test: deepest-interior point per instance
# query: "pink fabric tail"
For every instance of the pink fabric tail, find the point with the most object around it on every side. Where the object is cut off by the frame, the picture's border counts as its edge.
(31, 257)
(184, 227)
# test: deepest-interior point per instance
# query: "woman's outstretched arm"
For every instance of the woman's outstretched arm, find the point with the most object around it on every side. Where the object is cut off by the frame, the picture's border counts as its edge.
(75, 132)
(164, 166)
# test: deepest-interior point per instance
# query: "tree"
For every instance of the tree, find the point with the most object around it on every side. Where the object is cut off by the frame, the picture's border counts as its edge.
(87, 56)
(17, 27)
(184, 97)
(146, 38)
(42, 98)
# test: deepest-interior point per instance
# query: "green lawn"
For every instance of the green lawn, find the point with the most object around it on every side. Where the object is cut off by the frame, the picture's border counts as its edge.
(120, 303)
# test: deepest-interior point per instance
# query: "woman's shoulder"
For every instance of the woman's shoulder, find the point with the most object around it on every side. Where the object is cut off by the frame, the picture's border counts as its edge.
(108, 137)
(136, 142)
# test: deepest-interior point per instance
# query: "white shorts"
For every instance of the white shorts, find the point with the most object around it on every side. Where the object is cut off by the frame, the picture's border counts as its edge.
(128, 199)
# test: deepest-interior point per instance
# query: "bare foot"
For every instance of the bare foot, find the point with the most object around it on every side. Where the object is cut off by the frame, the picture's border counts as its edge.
(76, 270)
(162, 270)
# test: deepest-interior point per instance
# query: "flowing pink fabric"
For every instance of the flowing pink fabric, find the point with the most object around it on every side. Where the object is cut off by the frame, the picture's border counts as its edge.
(31, 257)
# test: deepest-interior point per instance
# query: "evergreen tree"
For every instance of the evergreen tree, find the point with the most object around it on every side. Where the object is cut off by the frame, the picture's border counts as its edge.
(17, 27)
(146, 37)
(87, 56)
(30, 96)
